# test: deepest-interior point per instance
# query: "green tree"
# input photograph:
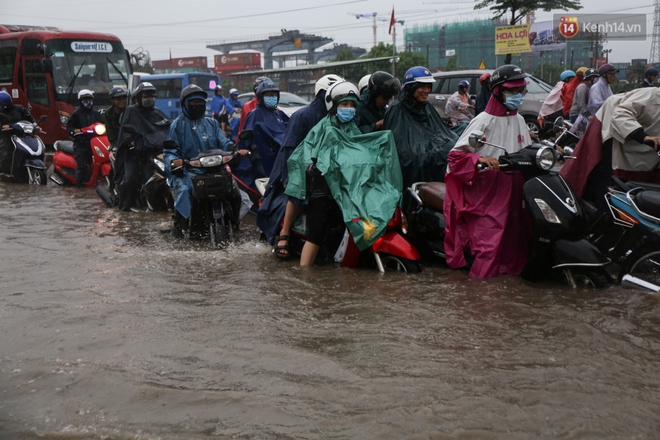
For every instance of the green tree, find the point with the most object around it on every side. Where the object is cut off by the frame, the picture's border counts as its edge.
(520, 8)
(452, 64)
(406, 60)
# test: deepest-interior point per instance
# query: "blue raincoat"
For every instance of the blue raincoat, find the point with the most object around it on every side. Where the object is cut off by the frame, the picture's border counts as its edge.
(269, 126)
(193, 137)
(218, 103)
(362, 172)
(273, 205)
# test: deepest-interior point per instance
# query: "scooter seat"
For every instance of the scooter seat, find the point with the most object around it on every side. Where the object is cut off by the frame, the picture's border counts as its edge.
(648, 202)
(64, 146)
(433, 194)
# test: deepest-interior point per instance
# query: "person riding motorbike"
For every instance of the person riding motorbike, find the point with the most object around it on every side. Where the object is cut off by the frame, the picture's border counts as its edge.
(233, 100)
(112, 116)
(269, 125)
(422, 139)
(484, 211)
(10, 113)
(251, 105)
(348, 176)
(553, 104)
(650, 76)
(142, 132)
(193, 134)
(601, 89)
(221, 109)
(579, 114)
(83, 116)
(458, 105)
(275, 204)
(374, 101)
(484, 94)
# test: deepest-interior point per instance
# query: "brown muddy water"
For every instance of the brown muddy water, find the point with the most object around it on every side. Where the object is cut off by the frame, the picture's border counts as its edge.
(111, 330)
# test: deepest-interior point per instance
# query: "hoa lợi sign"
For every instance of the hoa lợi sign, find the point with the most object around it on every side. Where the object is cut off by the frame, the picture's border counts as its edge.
(512, 39)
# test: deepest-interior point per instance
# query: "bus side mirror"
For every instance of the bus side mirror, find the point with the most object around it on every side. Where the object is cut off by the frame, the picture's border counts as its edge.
(47, 65)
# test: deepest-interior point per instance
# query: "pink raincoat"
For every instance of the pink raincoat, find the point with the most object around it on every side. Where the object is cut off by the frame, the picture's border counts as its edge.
(484, 210)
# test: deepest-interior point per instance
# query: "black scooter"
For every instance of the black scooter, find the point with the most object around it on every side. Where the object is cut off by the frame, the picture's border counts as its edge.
(559, 222)
(27, 154)
(216, 202)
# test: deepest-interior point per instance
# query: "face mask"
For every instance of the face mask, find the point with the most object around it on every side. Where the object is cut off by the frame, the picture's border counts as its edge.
(513, 101)
(196, 111)
(345, 114)
(270, 101)
(148, 102)
(88, 104)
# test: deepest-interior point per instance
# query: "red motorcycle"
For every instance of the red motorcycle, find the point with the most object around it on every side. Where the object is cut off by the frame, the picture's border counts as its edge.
(64, 160)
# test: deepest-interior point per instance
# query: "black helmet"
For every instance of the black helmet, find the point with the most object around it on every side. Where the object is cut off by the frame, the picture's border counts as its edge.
(590, 73)
(193, 89)
(117, 92)
(651, 71)
(258, 81)
(382, 83)
(142, 88)
(508, 72)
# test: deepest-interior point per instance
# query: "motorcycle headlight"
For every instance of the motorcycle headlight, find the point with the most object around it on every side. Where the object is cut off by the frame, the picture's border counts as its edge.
(99, 130)
(548, 213)
(546, 158)
(213, 161)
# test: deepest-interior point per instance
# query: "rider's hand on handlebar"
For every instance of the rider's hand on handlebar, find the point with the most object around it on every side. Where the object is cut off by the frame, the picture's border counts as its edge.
(490, 162)
(243, 153)
(177, 163)
(652, 141)
(5, 127)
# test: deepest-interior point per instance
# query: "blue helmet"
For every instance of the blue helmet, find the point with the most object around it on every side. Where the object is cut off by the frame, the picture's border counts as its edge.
(418, 74)
(267, 86)
(463, 83)
(566, 74)
(5, 99)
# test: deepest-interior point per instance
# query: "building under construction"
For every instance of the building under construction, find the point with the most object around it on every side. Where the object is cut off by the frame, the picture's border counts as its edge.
(474, 41)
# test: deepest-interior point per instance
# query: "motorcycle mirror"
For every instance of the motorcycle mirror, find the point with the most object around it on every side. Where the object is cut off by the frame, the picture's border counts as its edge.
(245, 135)
(169, 144)
(476, 139)
(129, 129)
(43, 118)
(559, 122)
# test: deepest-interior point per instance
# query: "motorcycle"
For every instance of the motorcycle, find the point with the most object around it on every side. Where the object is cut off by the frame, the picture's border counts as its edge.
(27, 161)
(559, 221)
(64, 161)
(155, 195)
(391, 252)
(635, 210)
(216, 201)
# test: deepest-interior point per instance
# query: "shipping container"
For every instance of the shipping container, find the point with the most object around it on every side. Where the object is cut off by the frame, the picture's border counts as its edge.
(181, 63)
(236, 62)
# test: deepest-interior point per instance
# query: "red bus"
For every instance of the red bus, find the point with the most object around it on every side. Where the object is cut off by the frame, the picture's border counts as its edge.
(43, 68)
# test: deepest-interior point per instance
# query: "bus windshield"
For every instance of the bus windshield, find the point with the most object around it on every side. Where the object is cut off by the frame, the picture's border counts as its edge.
(97, 62)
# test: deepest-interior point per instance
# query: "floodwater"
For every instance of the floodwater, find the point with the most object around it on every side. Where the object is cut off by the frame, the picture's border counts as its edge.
(110, 330)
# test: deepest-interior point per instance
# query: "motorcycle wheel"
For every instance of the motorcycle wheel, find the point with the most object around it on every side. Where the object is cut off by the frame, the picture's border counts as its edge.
(221, 232)
(588, 277)
(37, 176)
(105, 196)
(644, 264)
(392, 263)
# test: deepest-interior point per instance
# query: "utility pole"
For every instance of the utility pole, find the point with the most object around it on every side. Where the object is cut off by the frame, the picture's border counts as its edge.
(655, 45)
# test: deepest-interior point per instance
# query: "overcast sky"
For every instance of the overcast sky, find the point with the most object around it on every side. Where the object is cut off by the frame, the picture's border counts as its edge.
(185, 27)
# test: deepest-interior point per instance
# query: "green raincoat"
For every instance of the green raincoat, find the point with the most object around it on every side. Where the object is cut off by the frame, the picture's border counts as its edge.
(362, 171)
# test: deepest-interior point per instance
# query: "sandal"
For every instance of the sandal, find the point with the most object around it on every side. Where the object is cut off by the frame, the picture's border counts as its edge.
(281, 252)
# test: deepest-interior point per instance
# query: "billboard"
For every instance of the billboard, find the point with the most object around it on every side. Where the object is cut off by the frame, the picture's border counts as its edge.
(512, 39)
(545, 36)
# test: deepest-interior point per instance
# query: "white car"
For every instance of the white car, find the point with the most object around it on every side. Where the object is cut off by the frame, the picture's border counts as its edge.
(289, 102)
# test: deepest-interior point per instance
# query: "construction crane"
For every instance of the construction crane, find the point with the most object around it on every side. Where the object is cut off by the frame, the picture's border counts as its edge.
(375, 18)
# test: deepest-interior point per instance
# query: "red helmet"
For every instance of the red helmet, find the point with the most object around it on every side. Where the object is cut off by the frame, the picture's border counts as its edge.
(484, 77)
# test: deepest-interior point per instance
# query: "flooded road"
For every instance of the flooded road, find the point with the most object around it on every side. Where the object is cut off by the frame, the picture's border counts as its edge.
(111, 330)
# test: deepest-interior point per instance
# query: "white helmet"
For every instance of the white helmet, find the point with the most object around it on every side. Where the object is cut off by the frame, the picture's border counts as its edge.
(364, 83)
(339, 91)
(325, 82)
(233, 91)
(85, 93)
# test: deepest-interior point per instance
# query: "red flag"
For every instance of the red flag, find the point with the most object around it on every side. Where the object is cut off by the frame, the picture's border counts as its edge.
(391, 22)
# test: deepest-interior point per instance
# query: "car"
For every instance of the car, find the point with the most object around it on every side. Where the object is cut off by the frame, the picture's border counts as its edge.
(447, 83)
(289, 102)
